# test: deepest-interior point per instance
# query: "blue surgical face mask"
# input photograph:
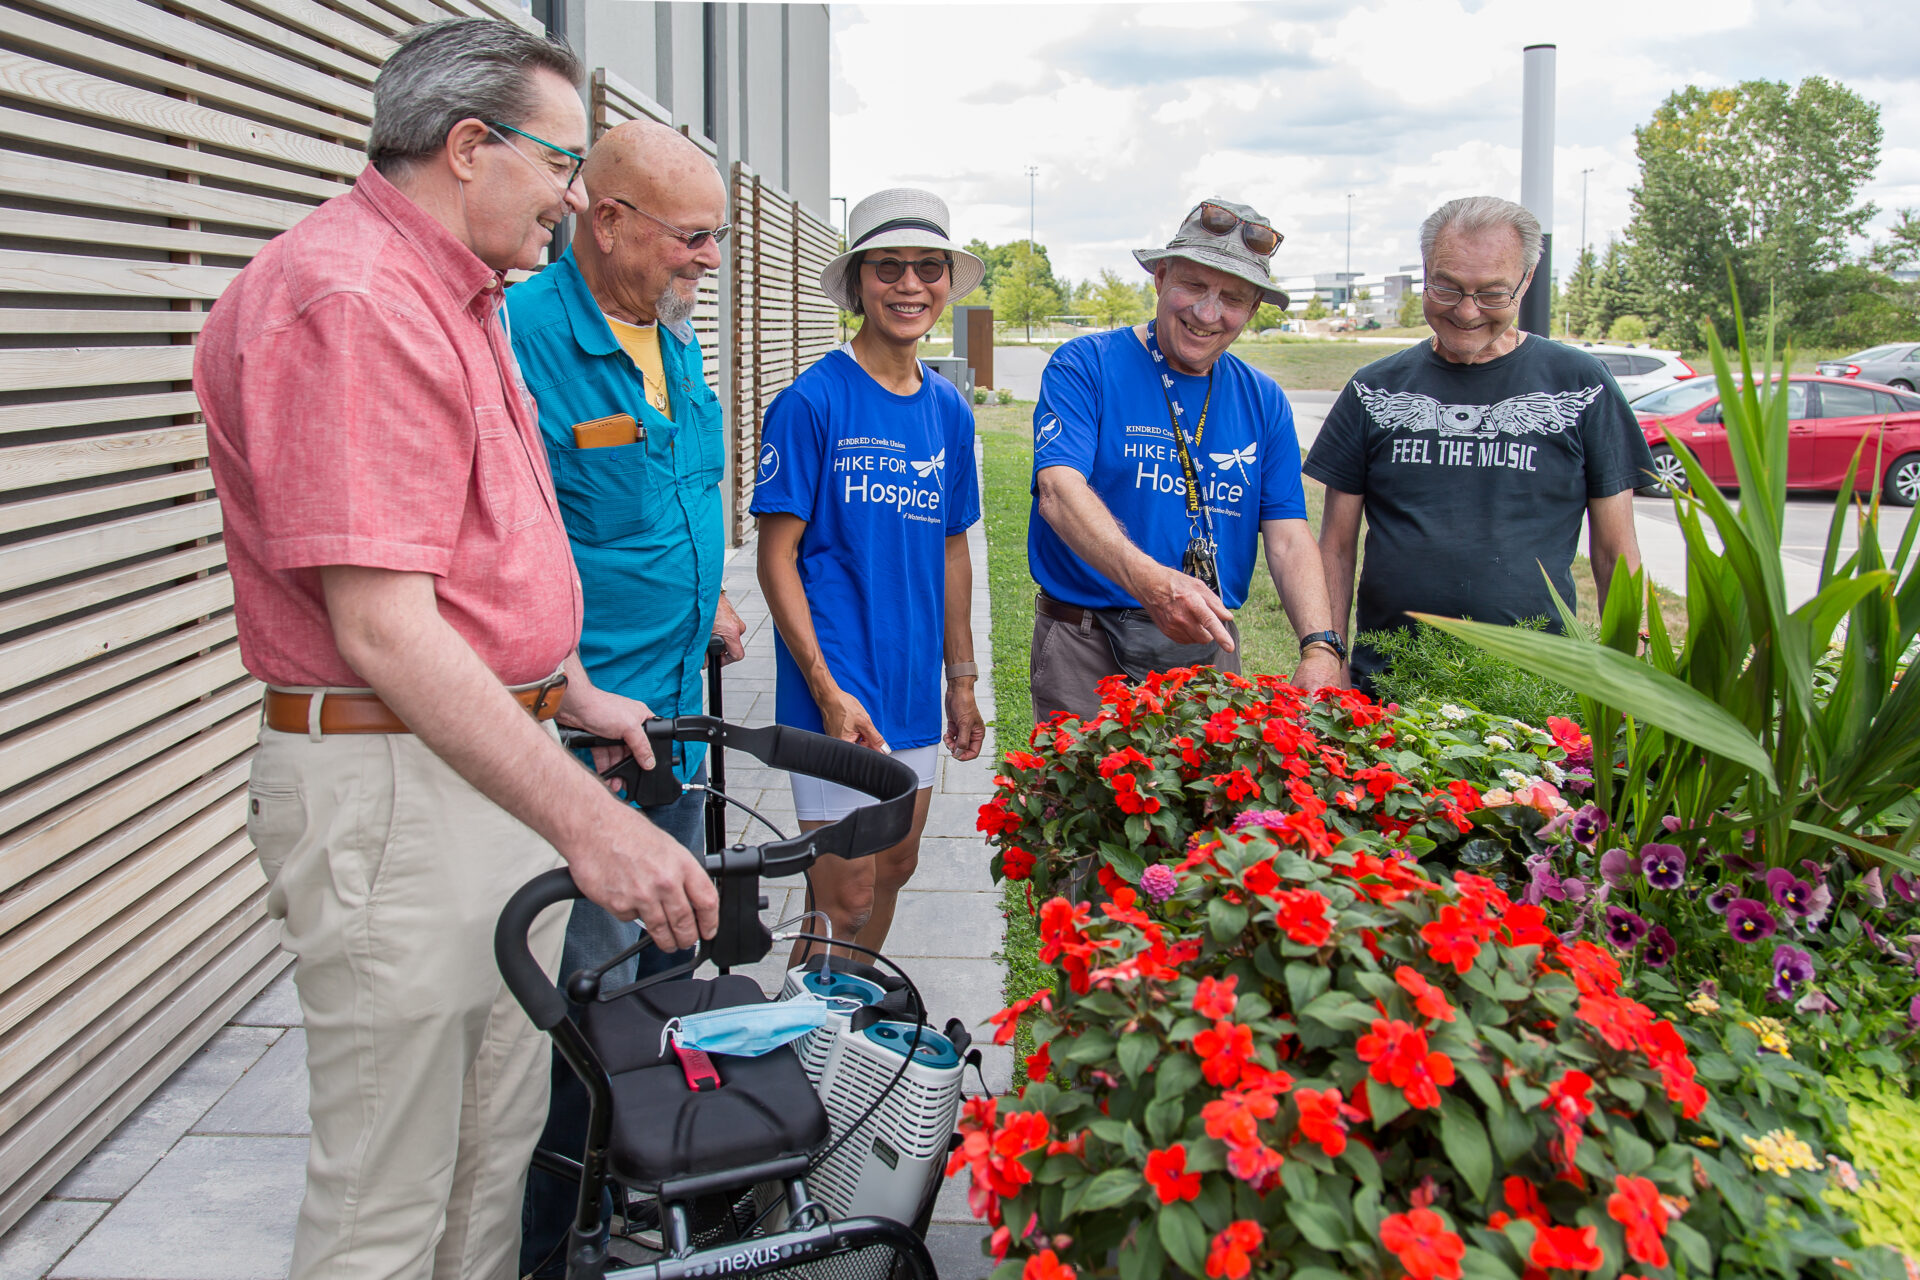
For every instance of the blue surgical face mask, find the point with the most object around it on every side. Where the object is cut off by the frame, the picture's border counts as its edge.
(750, 1030)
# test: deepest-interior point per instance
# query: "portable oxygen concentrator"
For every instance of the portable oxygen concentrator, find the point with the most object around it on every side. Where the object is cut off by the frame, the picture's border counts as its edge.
(889, 1166)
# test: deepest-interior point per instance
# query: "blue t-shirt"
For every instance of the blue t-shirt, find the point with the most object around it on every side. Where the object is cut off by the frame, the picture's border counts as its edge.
(1102, 412)
(882, 481)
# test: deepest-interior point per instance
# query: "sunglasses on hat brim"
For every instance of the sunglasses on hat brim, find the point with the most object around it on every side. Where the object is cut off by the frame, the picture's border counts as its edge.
(1219, 220)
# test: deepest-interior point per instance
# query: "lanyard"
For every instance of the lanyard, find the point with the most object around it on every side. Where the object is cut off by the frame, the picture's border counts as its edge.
(1194, 507)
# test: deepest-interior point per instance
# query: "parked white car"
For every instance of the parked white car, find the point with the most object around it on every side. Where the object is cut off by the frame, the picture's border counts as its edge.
(1638, 370)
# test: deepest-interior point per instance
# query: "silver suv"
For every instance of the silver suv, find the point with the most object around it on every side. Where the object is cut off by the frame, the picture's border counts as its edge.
(1638, 370)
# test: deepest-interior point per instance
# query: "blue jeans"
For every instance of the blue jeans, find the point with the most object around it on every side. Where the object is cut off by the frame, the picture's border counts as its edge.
(592, 935)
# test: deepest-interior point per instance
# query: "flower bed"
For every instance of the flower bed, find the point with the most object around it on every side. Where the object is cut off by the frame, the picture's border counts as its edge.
(1283, 1046)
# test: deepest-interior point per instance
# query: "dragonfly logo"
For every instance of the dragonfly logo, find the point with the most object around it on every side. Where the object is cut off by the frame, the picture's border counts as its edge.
(1242, 458)
(1050, 431)
(769, 463)
(938, 462)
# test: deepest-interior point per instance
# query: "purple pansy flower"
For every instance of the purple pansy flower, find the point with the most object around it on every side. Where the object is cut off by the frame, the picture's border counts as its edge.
(1791, 967)
(1723, 897)
(1750, 921)
(1588, 824)
(1664, 865)
(1615, 866)
(1739, 866)
(1544, 882)
(1624, 928)
(1671, 823)
(1791, 893)
(1908, 887)
(1660, 949)
(1871, 885)
(1815, 1001)
(1913, 1012)
(1159, 882)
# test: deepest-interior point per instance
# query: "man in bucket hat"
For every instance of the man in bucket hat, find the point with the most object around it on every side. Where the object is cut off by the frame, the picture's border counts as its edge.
(1159, 461)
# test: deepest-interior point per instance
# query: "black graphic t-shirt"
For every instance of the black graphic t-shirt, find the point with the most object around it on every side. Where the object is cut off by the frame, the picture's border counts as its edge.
(1474, 476)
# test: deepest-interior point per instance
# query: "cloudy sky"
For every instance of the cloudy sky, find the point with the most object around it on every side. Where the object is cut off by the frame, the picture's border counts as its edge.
(1134, 112)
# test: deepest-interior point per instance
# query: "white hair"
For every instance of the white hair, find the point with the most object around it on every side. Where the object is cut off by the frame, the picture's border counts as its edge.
(1483, 213)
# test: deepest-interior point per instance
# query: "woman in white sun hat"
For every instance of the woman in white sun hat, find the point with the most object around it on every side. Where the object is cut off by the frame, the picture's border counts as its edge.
(865, 492)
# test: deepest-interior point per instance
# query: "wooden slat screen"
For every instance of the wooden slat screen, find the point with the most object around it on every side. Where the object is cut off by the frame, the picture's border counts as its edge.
(147, 150)
(782, 323)
(614, 101)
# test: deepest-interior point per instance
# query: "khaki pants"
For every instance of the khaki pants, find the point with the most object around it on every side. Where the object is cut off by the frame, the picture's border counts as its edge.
(1068, 662)
(429, 1085)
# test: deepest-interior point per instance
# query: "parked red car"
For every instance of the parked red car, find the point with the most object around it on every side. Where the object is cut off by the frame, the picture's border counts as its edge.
(1828, 420)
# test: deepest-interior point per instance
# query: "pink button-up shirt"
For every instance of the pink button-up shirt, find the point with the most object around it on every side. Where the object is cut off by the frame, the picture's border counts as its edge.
(363, 408)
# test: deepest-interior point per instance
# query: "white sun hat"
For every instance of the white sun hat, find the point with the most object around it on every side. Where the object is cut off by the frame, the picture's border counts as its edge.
(900, 218)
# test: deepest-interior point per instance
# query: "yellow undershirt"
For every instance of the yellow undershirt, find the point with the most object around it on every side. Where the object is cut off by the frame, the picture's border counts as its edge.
(642, 343)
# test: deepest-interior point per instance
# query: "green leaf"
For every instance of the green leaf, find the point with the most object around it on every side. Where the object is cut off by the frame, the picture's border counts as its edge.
(1367, 1214)
(1735, 1185)
(1228, 920)
(1008, 1270)
(1176, 1074)
(1385, 1102)
(1479, 1080)
(1299, 1180)
(1320, 1225)
(1092, 1045)
(1127, 863)
(1692, 1246)
(1365, 1165)
(1166, 1117)
(1184, 1239)
(1482, 1265)
(1465, 1141)
(1625, 683)
(1512, 1134)
(1138, 1049)
(1113, 1187)
(1141, 1257)
(1338, 1009)
(1631, 1152)
(1306, 982)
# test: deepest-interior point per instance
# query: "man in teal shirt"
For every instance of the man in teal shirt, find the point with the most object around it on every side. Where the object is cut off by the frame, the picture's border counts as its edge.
(635, 441)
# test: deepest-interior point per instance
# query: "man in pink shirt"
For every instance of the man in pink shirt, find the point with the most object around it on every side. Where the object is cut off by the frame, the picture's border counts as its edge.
(403, 585)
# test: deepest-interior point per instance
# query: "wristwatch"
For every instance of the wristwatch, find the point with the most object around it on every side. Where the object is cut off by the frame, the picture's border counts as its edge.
(1329, 638)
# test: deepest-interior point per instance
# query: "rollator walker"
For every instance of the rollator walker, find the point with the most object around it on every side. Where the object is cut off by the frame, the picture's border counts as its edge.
(716, 1153)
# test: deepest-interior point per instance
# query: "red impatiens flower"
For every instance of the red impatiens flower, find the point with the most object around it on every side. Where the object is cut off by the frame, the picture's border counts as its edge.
(1524, 1199)
(1453, 939)
(1323, 1118)
(996, 819)
(1229, 1258)
(1400, 1057)
(1224, 1049)
(1302, 916)
(1568, 1101)
(1025, 760)
(1046, 1266)
(1215, 998)
(1017, 863)
(1636, 1205)
(1261, 879)
(1121, 759)
(1430, 1000)
(1128, 797)
(1234, 1118)
(1239, 783)
(1258, 1166)
(1567, 1249)
(1167, 1175)
(1420, 1240)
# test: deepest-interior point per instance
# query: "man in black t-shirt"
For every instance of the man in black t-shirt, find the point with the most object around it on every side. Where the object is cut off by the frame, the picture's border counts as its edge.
(1475, 455)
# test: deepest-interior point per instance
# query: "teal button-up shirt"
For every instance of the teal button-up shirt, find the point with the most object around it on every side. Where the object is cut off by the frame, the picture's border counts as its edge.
(645, 519)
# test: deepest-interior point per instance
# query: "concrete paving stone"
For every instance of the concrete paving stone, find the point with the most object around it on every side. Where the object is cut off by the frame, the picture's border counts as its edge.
(967, 777)
(996, 1065)
(950, 1205)
(277, 1006)
(214, 1209)
(271, 1098)
(953, 814)
(144, 1137)
(43, 1236)
(956, 1251)
(970, 990)
(958, 925)
(953, 863)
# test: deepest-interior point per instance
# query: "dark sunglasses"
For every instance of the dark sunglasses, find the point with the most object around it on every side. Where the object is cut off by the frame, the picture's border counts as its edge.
(1219, 220)
(694, 240)
(889, 270)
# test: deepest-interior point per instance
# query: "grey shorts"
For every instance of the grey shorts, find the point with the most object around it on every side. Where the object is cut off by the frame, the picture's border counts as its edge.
(1069, 660)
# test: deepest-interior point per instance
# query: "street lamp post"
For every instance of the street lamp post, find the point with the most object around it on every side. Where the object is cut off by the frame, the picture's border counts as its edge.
(1033, 173)
(1583, 209)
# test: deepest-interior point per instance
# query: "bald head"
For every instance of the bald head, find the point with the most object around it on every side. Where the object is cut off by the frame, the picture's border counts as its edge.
(651, 165)
(645, 182)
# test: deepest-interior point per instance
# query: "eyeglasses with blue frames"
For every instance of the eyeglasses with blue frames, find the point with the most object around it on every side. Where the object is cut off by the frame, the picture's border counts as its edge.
(694, 240)
(573, 170)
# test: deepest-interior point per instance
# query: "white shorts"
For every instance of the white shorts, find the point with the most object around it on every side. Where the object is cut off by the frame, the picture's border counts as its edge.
(817, 800)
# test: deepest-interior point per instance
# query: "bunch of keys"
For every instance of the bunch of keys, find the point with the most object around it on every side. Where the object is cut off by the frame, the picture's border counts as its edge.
(1201, 562)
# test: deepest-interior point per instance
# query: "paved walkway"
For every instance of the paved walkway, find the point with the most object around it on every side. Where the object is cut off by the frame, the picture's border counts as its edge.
(204, 1181)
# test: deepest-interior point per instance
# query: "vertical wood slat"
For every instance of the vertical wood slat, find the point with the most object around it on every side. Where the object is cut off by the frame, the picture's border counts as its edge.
(154, 147)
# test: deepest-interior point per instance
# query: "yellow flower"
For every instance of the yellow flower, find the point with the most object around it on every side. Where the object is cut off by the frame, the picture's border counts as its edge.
(1780, 1152)
(1773, 1035)
(1703, 1004)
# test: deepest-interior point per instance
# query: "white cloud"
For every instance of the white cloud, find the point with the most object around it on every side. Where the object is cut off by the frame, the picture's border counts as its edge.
(1133, 112)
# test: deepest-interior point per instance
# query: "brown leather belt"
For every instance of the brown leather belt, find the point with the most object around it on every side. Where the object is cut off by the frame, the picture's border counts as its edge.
(1072, 615)
(354, 712)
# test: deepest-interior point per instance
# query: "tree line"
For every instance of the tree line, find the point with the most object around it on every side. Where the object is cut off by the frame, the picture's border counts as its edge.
(1763, 180)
